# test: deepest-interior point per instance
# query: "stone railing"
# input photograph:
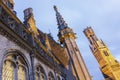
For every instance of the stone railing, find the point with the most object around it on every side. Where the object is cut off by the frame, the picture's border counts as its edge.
(8, 18)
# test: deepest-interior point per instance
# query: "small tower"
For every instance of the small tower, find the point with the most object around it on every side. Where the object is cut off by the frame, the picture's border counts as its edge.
(28, 13)
(108, 65)
(67, 39)
(30, 21)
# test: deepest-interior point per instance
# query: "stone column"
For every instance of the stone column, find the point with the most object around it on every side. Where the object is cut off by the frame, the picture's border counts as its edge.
(16, 72)
(55, 70)
(32, 73)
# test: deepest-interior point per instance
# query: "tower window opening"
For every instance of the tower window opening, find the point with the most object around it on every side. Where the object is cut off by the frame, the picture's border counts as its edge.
(106, 53)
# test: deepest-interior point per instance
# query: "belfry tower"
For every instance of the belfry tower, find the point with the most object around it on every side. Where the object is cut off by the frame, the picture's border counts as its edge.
(67, 39)
(108, 65)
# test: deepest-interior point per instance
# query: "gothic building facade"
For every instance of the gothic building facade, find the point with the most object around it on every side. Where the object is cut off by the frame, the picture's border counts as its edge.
(27, 53)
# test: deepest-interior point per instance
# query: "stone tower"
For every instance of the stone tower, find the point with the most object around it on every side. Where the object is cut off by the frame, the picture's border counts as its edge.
(108, 65)
(30, 21)
(67, 39)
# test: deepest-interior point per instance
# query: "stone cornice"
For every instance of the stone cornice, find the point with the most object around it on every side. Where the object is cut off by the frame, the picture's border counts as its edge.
(10, 34)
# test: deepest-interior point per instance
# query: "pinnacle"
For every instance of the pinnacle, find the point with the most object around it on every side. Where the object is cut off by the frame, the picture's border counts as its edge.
(55, 8)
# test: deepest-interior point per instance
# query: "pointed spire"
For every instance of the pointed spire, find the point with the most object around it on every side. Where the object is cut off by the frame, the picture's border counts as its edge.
(61, 23)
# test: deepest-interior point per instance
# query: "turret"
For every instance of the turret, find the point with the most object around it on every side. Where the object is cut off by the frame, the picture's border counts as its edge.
(28, 13)
(30, 21)
(91, 35)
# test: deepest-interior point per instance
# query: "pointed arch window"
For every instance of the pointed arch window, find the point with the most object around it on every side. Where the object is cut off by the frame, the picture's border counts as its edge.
(105, 53)
(14, 68)
(40, 73)
(50, 76)
(8, 71)
(22, 69)
(21, 73)
(58, 78)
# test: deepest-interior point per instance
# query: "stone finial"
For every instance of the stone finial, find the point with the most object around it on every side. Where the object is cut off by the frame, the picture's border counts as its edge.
(27, 13)
(55, 8)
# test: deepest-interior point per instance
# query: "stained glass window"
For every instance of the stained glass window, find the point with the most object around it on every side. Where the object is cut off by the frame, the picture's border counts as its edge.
(14, 68)
(8, 71)
(40, 74)
(21, 73)
(36, 76)
(50, 76)
(58, 78)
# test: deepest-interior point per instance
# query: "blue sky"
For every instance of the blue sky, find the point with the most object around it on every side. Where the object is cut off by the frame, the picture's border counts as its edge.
(102, 15)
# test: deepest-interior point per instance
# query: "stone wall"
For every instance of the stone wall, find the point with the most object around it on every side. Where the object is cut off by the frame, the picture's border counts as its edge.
(7, 45)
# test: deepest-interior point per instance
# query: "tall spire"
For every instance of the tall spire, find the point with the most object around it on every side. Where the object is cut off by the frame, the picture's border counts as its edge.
(67, 39)
(61, 23)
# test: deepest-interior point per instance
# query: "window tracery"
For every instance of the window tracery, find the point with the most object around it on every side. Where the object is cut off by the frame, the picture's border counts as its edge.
(50, 76)
(40, 74)
(14, 68)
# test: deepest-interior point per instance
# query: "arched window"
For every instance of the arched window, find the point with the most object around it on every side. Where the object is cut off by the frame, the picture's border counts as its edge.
(14, 68)
(8, 71)
(58, 78)
(50, 76)
(40, 74)
(22, 69)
